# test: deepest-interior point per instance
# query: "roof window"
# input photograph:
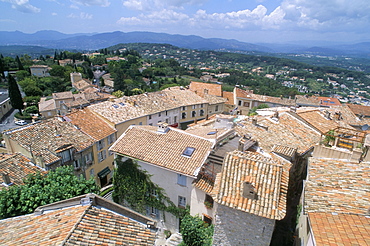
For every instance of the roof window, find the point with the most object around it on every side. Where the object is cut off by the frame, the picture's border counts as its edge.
(188, 151)
(114, 105)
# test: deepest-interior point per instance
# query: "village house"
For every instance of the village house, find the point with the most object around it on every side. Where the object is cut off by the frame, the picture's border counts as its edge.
(51, 144)
(5, 106)
(176, 106)
(40, 70)
(246, 207)
(335, 203)
(171, 156)
(83, 220)
(62, 103)
(14, 168)
(104, 136)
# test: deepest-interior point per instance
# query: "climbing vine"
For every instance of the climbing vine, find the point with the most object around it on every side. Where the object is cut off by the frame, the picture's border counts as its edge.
(133, 188)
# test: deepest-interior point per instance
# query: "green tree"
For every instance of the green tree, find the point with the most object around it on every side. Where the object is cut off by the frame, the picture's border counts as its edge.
(118, 94)
(20, 66)
(39, 190)
(196, 232)
(32, 91)
(15, 94)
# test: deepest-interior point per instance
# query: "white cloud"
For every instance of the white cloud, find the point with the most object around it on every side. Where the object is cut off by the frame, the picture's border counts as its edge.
(22, 6)
(158, 5)
(54, 14)
(82, 16)
(102, 3)
(294, 15)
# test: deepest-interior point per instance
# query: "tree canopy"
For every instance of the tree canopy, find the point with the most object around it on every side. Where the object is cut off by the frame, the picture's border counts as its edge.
(196, 232)
(39, 190)
(15, 94)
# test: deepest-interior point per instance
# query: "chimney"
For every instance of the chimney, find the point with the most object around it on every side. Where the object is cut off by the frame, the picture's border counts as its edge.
(162, 127)
(254, 121)
(6, 178)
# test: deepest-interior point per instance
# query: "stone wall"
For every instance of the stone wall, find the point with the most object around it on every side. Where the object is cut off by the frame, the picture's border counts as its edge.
(234, 227)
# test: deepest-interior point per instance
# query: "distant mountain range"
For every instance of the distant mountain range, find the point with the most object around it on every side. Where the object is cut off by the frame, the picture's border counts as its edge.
(93, 41)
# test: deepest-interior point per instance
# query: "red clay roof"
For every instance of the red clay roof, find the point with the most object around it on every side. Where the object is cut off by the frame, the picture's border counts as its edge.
(206, 88)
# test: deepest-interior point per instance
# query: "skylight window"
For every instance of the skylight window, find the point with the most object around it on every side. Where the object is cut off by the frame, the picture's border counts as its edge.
(115, 106)
(188, 151)
(122, 104)
(212, 133)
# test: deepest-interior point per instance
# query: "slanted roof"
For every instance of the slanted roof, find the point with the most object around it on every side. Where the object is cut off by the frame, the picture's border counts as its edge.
(337, 186)
(90, 124)
(360, 109)
(17, 166)
(165, 150)
(288, 131)
(229, 97)
(305, 100)
(63, 95)
(82, 84)
(50, 137)
(212, 99)
(46, 105)
(340, 229)
(317, 118)
(69, 223)
(126, 108)
(269, 178)
(328, 101)
(202, 89)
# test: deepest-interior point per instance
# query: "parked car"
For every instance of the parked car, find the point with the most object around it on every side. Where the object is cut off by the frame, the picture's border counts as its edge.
(21, 122)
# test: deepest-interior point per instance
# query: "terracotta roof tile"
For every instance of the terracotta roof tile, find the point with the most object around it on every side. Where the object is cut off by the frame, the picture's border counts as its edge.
(46, 105)
(328, 101)
(340, 229)
(17, 167)
(164, 149)
(127, 108)
(76, 225)
(287, 131)
(203, 89)
(360, 109)
(337, 186)
(62, 95)
(50, 137)
(229, 97)
(90, 124)
(317, 118)
(268, 178)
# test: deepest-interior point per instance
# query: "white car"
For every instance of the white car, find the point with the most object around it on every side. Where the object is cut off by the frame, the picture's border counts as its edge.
(21, 122)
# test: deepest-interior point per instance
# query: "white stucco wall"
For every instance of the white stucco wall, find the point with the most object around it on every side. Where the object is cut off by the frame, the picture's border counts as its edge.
(197, 206)
(155, 118)
(168, 181)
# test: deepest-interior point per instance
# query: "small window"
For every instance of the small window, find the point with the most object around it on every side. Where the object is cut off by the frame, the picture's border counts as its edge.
(166, 112)
(188, 151)
(150, 124)
(193, 114)
(181, 179)
(201, 112)
(175, 119)
(77, 164)
(159, 114)
(240, 103)
(183, 115)
(194, 106)
(183, 108)
(216, 108)
(140, 123)
(150, 117)
(201, 106)
(102, 155)
(182, 202)
(92, 172)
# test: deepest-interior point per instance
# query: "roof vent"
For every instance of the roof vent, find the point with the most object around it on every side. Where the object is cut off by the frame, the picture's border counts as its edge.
(162, 127)
(6, 179)
(249, 191)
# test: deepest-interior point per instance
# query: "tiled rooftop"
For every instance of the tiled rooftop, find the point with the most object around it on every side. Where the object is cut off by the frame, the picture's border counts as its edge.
(90, 124)
(202, 89)
(229, 97)
(127, 108)
(63, 95)
(337, 186)
(307, 101)
(46, 105)
(268, 177)
(288, 131)
(360, 109)
(211, 99)
(164, 149)
(82, 84)
(317, 118)
(340, 229)
(75, 225)
(261, 98)
(328, 101)
(17, 167)
(49, 137)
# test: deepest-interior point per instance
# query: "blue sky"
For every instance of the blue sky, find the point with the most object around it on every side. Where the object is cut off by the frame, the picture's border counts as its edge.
(269, 21)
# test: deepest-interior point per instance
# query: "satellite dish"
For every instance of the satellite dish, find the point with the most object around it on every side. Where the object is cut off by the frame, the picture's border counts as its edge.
(365, 127)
